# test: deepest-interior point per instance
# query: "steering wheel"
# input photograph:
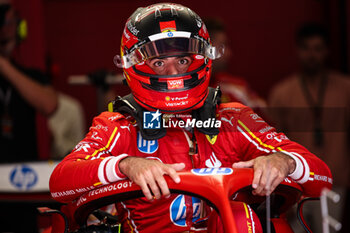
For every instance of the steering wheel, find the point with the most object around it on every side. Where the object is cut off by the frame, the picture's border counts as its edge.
(218, 186)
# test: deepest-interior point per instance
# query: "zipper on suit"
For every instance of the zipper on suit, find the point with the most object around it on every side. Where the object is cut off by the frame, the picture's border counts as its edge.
(192, 144)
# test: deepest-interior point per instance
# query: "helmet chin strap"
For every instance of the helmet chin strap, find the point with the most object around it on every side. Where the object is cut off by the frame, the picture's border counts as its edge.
(128, 105)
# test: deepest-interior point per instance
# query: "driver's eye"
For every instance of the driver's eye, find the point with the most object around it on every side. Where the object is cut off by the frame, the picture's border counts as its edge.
(183, 61)
(158, 63)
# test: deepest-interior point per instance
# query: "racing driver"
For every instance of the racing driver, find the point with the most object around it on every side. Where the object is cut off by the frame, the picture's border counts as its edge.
(166, 56)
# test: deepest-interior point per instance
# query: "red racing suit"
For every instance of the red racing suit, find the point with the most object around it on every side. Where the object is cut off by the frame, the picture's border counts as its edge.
(113, 136)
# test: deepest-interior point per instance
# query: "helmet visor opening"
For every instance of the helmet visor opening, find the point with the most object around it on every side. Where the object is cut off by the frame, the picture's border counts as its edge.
(168, 47)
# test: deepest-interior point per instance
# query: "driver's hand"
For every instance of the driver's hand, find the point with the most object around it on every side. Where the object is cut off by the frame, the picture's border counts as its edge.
(269, 171)
(148, 174)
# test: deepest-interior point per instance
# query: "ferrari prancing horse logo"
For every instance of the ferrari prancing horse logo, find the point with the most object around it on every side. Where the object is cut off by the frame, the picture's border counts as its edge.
(211, 138)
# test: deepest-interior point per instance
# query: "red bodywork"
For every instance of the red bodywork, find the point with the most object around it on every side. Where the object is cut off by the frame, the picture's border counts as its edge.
(217, 189)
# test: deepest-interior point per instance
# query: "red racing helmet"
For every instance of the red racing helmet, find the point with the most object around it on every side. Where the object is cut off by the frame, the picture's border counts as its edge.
(166, 30)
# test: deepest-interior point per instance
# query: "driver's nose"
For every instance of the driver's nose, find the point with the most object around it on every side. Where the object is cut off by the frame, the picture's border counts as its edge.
(172, 69)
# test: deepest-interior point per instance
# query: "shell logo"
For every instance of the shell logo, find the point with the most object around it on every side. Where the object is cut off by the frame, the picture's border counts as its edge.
(167, 98)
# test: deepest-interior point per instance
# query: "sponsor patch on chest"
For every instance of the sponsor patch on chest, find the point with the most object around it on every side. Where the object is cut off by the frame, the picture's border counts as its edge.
(213, 161)
(146, 146)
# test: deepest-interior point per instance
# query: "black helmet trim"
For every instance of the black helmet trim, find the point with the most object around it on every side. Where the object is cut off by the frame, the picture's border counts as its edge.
(163, 87)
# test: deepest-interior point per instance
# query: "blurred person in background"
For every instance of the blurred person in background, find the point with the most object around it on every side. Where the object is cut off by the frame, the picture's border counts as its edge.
(234, 88)
(67, 126)
(312, 107)
(23, 93)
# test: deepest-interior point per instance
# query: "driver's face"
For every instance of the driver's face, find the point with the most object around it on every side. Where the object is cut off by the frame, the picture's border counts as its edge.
(312, 54)
(170, 65)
